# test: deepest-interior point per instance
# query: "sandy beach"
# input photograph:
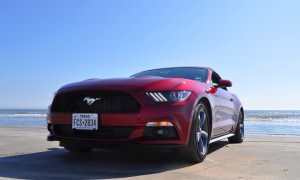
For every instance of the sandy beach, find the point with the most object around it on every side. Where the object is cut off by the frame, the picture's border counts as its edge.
(25, 154)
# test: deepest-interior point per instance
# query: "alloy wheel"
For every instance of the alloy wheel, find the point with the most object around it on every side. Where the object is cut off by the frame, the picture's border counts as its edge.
(202, 131)
(241, 123)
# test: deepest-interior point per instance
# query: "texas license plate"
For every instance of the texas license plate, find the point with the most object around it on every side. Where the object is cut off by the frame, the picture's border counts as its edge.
(84, 121)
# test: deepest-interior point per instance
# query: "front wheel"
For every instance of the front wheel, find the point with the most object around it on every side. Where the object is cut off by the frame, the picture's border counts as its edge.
(199, 135)
(239, 133)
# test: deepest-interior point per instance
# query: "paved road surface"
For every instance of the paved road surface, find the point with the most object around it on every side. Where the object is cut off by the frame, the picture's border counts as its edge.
(25, 154)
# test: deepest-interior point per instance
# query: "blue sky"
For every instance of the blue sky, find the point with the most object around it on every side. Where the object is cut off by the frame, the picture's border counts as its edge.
(46, 44)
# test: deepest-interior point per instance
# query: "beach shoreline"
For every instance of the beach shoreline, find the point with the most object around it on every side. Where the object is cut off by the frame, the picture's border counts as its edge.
(25, 154)
(257, 122)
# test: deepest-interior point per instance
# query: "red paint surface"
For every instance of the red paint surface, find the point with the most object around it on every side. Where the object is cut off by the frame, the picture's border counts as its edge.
(180, 114)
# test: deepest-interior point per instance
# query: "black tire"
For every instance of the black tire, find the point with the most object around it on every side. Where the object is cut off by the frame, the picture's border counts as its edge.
(197, 148)
(239, 133)
(78, 149)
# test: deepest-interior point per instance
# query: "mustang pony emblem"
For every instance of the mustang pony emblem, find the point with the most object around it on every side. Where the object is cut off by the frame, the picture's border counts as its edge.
(90, 101)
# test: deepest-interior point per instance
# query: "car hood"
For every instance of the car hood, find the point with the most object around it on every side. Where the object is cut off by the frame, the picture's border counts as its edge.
(149, 83)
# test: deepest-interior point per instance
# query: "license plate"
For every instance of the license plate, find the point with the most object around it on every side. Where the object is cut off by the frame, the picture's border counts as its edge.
(85, 121)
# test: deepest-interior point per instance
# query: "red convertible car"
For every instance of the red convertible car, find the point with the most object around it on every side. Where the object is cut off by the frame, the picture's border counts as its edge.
(186, 108)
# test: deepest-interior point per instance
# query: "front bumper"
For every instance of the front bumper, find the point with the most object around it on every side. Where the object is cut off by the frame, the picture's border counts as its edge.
(128, 128)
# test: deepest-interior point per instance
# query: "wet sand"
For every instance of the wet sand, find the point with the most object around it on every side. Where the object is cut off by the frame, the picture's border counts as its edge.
(25, 154)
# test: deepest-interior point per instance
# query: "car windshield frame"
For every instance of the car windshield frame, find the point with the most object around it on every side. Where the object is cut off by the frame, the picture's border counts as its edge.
(192, 73)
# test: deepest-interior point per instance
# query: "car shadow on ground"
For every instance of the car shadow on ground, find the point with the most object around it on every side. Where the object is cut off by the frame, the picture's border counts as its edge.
(57, 163)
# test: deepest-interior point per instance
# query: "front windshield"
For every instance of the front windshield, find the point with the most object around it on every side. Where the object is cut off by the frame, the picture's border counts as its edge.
(197, 74)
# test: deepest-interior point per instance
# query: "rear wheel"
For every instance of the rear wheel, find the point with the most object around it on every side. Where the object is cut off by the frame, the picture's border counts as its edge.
(78, 149)
(239, 133)
(199, 135)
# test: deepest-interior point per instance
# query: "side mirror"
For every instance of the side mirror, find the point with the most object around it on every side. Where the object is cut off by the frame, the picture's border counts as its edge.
(225, 83)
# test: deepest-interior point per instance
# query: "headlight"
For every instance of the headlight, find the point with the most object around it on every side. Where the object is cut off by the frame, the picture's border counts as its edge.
(179, 96)
(169, 96)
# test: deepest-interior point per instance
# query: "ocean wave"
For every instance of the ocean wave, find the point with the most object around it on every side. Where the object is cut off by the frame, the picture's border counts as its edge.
(269, 116)
(289, 120)
(23, 115)
(273, 116)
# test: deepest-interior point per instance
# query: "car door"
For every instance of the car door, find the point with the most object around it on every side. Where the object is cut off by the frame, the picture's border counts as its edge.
(224, 108)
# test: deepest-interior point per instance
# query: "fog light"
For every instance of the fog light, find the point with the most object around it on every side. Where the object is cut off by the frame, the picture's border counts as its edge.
(160, 132)
(159, 124)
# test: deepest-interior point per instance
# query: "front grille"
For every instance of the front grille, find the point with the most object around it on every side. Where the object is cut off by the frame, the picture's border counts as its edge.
(66, 131)
(109, 102)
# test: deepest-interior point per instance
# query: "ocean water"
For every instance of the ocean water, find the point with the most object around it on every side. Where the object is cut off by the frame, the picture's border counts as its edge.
(23, 117)
(256, 122)
(276, 122)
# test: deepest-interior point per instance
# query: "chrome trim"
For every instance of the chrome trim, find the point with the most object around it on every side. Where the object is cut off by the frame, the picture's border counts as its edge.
(90, 101)
(220, 138)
